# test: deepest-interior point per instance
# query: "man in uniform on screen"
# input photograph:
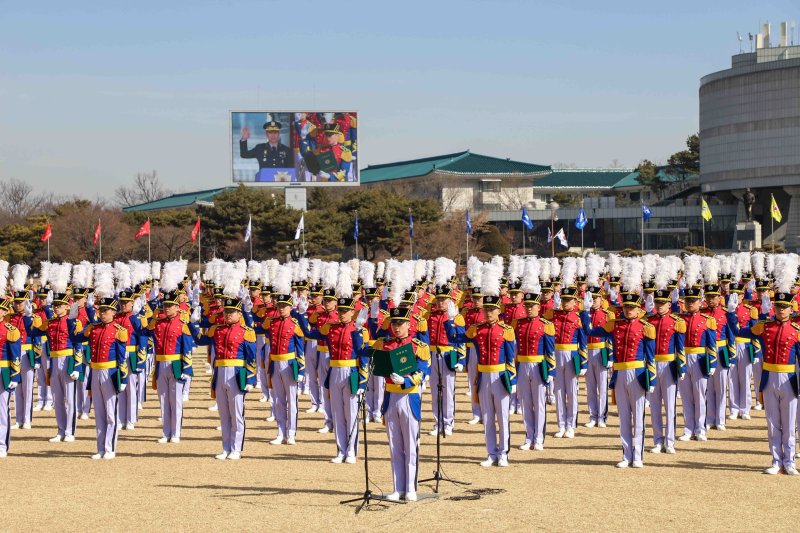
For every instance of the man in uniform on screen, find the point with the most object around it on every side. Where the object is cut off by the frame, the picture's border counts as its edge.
(342, 169)
(271, 154)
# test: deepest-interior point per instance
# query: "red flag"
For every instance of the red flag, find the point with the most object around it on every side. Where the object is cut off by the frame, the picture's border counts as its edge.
(97, 233)
(47, 233)
(196, 230)
(144, 230)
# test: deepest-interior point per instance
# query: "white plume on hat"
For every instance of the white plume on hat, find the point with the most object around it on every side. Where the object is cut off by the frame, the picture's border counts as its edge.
(770, 266)
(631, 277)
(59, 276)
(568, 271)
(19, 277)
(785, 271)
(419, 270)
(344, 284)
(155, 270)
(710, 269)
(272, 266)
(172, 274)
(614, 265)
(400, 277)
(315, 271)
(758, 260)
(497, 261)
(491, 279)
(691, 270)
(381, 270)
(355, 266)
(3, 277)
(303, 269)
(665, 272)
(725, 263)
(474, 270)
(650, 263)
(140, 271)
(330, 274)
(444, 270)
(263, 272)
(594, 268)
(104, 280)
(530, 276)
(581, 266)
(367, 274)
(122, 271)
(231, 280)
(253, 270)
(44, 272)
(82, 275)
(555, 268)
(516, 268)
(544, 269)
(282, 282)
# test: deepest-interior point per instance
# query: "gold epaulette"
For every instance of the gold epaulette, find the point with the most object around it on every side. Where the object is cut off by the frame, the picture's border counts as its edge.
(649, 329)
(423, 350)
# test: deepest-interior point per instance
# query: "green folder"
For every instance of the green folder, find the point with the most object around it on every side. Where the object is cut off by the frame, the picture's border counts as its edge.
(400, 361)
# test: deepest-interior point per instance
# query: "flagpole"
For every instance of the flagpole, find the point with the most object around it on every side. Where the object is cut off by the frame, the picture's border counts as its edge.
(642, 208)
(100, 240)
(523, 239)
(704, 232)
(48, 249)
(199, 257)
(250, 237)
(149, 260)
(303, 234)
(583, 224)
(356, 235)
(411, 234)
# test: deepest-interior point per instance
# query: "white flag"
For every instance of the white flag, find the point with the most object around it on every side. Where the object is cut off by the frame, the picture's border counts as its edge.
(248, 230)
(549, 235)
(300, 227)
(562, 238)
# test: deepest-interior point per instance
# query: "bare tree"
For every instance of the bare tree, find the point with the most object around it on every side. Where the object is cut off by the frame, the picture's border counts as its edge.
(615, 163)
(146, 188)
(19, 201)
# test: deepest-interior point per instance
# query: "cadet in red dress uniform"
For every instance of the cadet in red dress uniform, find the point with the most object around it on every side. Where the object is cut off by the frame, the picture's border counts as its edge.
(9, 373)
(634, 373)
(32, 330)
(717, 392)
(599, 350)
(108, 377)
(747, 354)
(536, 367)
(473, 315)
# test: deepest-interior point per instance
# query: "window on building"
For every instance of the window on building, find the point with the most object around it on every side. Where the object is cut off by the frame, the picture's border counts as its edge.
(490, 185)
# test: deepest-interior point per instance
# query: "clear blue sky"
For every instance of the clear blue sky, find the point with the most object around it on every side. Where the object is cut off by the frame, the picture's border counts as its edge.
(92, 93)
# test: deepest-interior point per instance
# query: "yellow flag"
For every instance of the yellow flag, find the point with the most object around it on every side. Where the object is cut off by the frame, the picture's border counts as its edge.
(776, 213)
(705, 211)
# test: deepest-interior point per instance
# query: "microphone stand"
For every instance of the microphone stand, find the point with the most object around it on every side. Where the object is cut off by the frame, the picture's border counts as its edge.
(368, 495)
(438, 474)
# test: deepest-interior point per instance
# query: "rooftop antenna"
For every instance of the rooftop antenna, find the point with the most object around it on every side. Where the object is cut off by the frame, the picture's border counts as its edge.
(739, 37)
(792, 25)
(750, 35)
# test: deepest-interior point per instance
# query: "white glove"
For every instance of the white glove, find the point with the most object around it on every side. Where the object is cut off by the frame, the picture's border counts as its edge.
(610, 364)
(683, 283)
(549, 379)
(385, 292)
(651, 390)
(247, 303)
(582, 372)
(683, 376)
(587, 301)
(711, 372)
(37, 366)
(74, 375)
(361, 319)
(90, 299)
(557, 300)
(73, 311)
(397, 379)
(137, 305)
(49, 299)
(12, 385)
(374, 309)
(123, 387)
(28, 308)
(459, 367)
(612, 293)
(195, 317)
(756, 359)
(649, 304)
(184, 377)
(243, 292)
(733, 302)
(301, 378)
(302, 304)
(323, 174)
(360, 392)
(248, 388)
(675, 295)
(513, 389)
(766, 304)
(751, 285)
(153, 292)
(452, 310)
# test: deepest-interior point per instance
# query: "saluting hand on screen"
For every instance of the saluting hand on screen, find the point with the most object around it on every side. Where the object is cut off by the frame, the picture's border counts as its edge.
(245, 133)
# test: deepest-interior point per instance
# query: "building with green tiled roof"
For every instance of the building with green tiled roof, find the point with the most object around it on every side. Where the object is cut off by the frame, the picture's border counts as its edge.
(181, 200)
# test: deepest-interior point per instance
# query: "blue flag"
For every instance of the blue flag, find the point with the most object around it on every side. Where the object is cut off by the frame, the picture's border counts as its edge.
(581, 222)
(526, 219)
(646, 213)
(410, 224)
(355, 229)
(469, 224)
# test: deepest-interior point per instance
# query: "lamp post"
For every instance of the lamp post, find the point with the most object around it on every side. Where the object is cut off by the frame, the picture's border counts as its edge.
(553, 205)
